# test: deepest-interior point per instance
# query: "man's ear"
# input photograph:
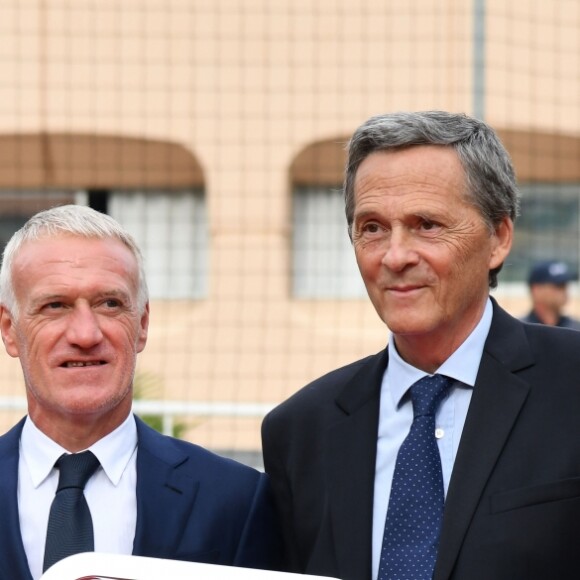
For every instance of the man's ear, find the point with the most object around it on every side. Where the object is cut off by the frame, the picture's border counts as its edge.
(503, 238)
(8, 330)
(143, 329)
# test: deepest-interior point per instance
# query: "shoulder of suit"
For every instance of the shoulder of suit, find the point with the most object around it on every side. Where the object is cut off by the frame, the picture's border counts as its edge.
(322, 390)
(179, 452)
(569, 322)
(557, 337)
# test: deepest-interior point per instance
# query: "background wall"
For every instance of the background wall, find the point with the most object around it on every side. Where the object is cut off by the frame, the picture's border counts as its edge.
(215, 131)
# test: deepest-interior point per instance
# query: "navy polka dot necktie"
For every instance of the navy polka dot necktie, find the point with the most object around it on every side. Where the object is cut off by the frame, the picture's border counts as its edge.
(70, 526)
(415, 511)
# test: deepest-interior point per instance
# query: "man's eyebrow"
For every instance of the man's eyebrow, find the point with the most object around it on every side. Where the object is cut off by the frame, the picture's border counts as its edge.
(121, 295)
(44, 298)
(113, 292)
(365, 213)
(61, 297)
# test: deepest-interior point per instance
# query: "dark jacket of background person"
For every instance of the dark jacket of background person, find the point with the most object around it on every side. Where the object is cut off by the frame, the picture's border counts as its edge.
(548, 282)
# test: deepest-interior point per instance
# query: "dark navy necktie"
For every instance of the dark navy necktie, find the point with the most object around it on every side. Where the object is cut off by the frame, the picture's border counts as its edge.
(70, 527)
(415, 512)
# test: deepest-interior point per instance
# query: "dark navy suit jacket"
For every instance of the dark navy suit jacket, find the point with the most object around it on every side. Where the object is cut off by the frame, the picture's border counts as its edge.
(512, 510)
(191, 505)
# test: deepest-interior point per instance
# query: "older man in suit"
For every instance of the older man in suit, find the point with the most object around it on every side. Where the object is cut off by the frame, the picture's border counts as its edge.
(74, 310)
(453, 454)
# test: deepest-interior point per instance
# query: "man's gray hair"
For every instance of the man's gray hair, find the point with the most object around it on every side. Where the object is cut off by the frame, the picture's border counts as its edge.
(76, 220)
(489, 173)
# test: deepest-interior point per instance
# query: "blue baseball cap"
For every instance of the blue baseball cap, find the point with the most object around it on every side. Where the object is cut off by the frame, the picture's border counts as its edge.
(550, 272)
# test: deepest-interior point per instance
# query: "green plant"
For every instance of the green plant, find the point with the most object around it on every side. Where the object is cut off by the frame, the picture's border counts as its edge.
(147, 385)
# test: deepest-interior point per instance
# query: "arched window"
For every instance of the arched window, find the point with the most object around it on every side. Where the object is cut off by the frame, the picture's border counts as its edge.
(323, 263)
(548, 172)
(154, 188)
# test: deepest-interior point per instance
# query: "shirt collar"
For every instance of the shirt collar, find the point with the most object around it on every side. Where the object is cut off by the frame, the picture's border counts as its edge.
(113, 451)
(462, 365)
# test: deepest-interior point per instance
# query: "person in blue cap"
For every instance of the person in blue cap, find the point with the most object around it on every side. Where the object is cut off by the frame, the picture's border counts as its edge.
(548, 281)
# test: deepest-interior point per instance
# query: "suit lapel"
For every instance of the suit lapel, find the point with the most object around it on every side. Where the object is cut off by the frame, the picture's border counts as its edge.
(13, 562)
(351, 445)
(164, 498)
(498, 397)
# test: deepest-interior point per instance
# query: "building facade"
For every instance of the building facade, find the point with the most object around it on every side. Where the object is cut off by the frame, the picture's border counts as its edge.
(215, 132)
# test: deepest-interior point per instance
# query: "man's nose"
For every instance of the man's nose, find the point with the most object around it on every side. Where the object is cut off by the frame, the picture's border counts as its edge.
(400, 250)
(83, 328)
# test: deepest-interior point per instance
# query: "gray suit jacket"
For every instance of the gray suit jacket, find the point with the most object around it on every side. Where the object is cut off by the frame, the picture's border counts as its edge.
(513, 506)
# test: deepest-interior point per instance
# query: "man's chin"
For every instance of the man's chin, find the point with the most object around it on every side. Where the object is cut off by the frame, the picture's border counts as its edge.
(408, 322)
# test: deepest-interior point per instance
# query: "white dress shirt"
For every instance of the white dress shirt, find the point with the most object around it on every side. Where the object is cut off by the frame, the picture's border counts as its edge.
(396, 416)
(110, 492)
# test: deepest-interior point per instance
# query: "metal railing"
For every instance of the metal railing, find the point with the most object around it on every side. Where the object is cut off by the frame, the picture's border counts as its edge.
(169, 410)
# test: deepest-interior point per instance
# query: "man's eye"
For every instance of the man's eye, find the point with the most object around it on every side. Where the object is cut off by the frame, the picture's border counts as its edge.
(112, 303)
(54, 305)
(371, 228)
(428, 225)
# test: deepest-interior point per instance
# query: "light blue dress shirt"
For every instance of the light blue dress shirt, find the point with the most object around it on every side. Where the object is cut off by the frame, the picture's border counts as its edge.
(396, 416)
